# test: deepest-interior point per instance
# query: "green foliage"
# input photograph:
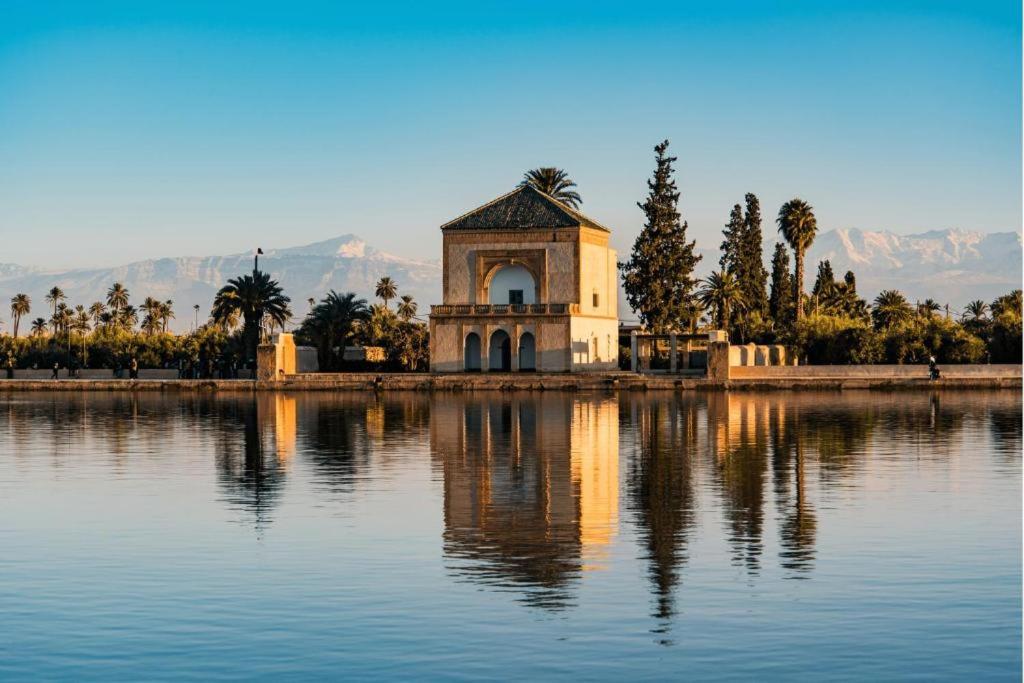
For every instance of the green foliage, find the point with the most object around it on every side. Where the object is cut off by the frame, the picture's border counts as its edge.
(658, 277)
(780, 303)
(722, 294)
(742, 256)
(258, 299)
(329, 326)
(555, 183)
(836, 340)
(914, 339)
(891, 308)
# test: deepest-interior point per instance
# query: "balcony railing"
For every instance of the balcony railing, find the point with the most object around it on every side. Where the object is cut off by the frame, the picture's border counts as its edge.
(504, 309)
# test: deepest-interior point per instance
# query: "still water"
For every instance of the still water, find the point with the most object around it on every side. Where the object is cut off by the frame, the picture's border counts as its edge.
(769, 536)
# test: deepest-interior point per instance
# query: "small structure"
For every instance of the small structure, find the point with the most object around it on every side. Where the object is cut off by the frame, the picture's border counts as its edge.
(529, 284)
(708, 353)
(281, 357)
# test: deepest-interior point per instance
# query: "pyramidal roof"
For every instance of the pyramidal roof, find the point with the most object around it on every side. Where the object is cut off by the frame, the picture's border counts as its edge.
(523, 208)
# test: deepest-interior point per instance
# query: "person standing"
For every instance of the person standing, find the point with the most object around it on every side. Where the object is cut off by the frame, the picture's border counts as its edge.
(133, 368)
(56, 370)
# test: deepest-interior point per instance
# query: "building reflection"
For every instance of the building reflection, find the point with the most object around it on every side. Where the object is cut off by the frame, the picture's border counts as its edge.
(530, 489)
(252, 473)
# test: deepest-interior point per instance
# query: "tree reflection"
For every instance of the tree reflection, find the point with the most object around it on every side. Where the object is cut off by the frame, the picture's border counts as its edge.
(661, 490)
(251, 476)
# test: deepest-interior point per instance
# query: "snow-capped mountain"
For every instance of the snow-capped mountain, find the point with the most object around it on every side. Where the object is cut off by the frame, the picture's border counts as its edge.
(951, 266)
(345, 263)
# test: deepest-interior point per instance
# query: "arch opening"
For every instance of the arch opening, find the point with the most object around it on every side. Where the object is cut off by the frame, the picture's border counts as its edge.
(471, 353)
(527, 352)
(499, 352)
(512, 284)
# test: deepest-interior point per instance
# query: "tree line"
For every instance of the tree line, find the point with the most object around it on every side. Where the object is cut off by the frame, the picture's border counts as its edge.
(831, 324)
(245, 311)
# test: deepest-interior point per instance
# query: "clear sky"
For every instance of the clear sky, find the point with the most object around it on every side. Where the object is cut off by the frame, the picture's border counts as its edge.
(132, 130)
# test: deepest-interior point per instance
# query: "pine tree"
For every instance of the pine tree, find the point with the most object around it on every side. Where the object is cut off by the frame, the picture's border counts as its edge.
(752, 273)
(780, 304)
(732, 234)
(658, 278)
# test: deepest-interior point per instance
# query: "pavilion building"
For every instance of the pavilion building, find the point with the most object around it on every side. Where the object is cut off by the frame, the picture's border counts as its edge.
(529, 284)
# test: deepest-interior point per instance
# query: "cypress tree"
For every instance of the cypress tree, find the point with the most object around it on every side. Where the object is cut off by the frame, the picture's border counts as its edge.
(826, 279)
(780, 303)
(658, 278)
(752, 274)
(733, 235)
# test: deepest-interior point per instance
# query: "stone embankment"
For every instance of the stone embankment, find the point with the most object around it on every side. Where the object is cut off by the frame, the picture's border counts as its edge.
(877, 377)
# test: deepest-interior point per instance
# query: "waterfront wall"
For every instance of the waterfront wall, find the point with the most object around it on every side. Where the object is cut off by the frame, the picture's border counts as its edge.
(885, 378)
(804, 372)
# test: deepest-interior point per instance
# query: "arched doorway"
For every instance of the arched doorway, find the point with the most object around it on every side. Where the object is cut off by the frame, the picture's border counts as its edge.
(471, 357)
(512, 284)
(499, 352)
(527, 352)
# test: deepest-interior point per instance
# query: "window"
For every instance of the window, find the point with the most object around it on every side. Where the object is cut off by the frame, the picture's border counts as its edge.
(515, 296)
(596, 300)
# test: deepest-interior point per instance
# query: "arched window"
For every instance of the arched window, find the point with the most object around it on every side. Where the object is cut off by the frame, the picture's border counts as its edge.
(471, 355)
(512, 284)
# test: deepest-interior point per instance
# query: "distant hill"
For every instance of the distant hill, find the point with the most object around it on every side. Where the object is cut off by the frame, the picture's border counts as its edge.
(345, 263)
(953, 266)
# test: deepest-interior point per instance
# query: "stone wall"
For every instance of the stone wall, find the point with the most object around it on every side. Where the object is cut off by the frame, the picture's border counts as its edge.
(870, 372)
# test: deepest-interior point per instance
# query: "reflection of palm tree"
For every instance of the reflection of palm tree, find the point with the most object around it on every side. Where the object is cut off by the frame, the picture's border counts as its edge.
(798, 527)
(252, 478)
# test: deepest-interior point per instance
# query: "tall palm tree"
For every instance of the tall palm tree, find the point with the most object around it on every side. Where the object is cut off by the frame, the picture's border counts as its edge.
(117, 297)
(975, 310)
(386, 290)
(255, 297)
(553, 182)
(166, 312)
(96, 311)
(80, 320)
(151, 320)
(54, 297)
(62, 317)
(38, 327)
(21, 305)
(798, 227)
(331, 323)
(407, 308)
(890, 308)
(722, 294)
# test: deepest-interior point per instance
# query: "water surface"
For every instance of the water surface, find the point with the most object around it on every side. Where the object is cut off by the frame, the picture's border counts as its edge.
(845, 536)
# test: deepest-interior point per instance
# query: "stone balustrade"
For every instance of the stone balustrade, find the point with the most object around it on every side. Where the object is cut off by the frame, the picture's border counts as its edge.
(503, 309)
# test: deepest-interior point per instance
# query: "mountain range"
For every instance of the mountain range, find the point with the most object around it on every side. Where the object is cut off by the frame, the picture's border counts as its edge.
(951, 266)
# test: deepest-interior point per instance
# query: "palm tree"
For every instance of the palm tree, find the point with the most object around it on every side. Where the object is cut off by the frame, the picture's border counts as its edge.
(255, 297)
(312, 302)
(407, 309)
(21, 305)
(151, 320)
(166, 314)
(54, 297)
(331, 322)
(722, 294)
(975, 310)
(38, 327)
(117, 297)
(96, 311)
(386, 290)
(61, 318)
(127, 317)
(798, 227)
(928, 308)
(80, 321)
(553, 182)
(890, 308)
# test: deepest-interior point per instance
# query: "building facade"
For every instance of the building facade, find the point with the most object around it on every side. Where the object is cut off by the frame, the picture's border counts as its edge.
(529, 284)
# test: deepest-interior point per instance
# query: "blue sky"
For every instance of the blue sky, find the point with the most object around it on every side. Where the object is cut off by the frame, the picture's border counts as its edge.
(132, 130)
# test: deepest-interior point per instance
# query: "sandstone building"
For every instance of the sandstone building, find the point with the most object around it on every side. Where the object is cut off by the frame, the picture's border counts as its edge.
(529, 284)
